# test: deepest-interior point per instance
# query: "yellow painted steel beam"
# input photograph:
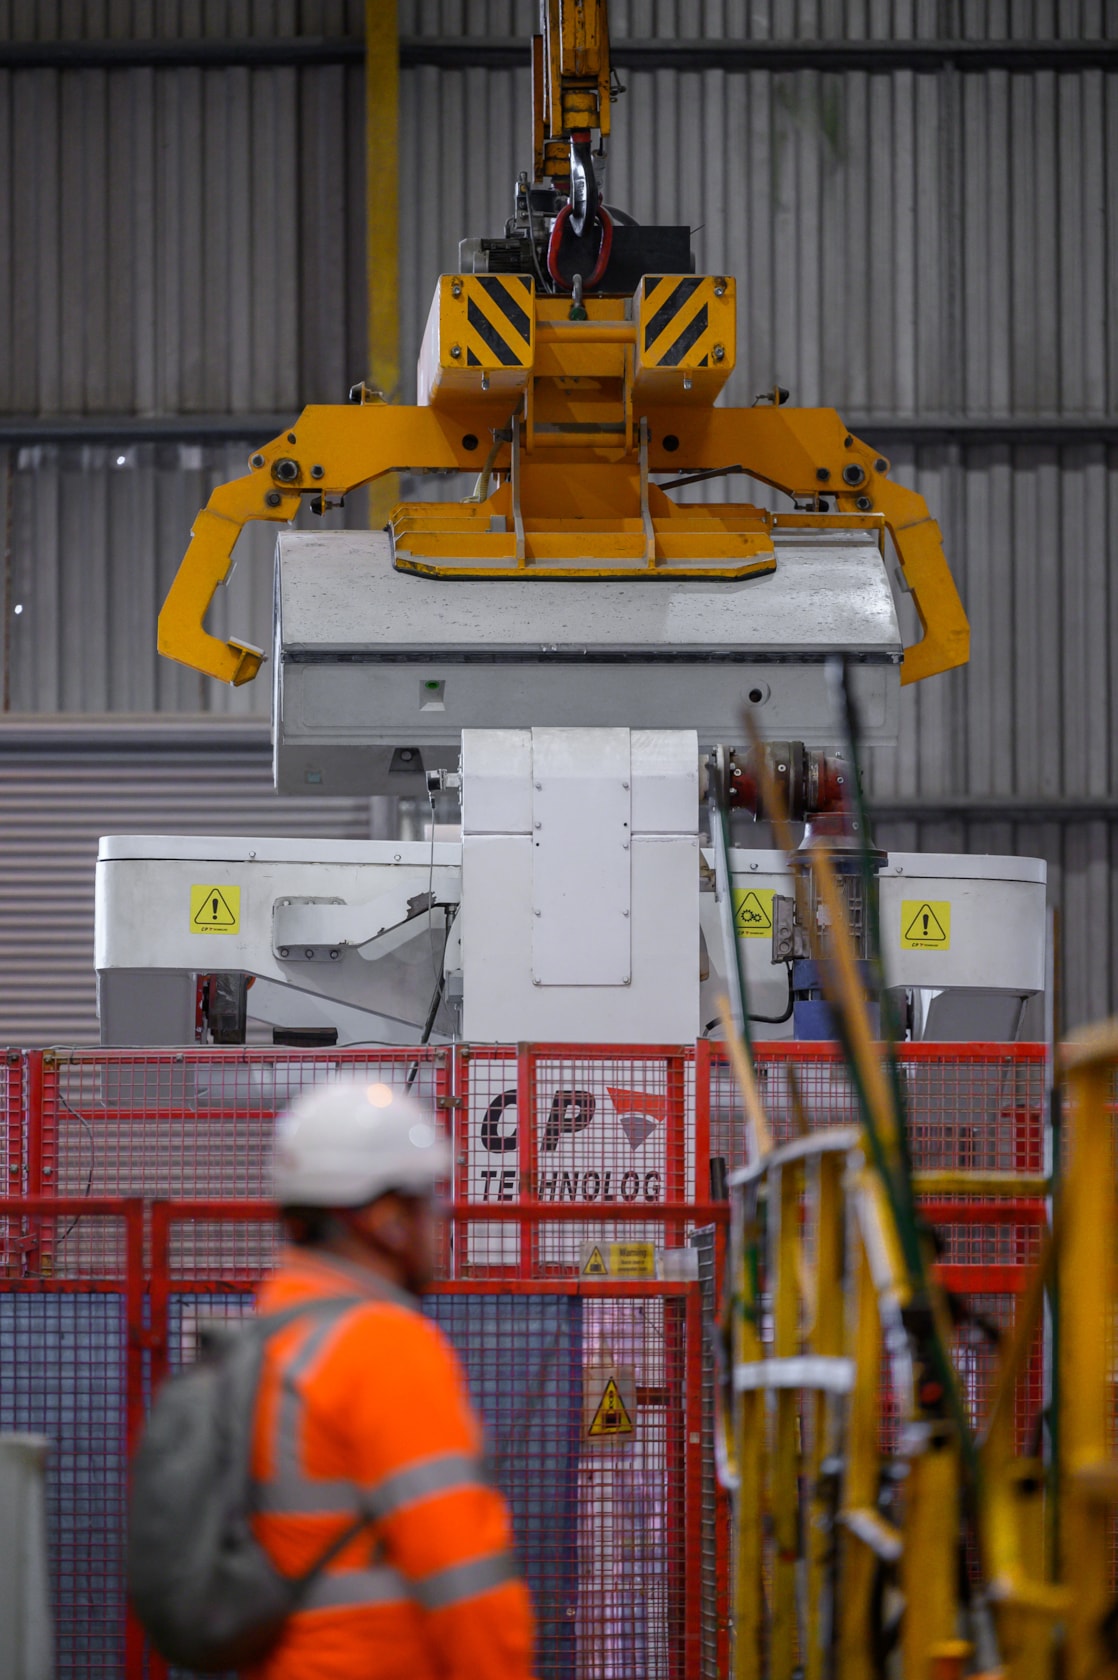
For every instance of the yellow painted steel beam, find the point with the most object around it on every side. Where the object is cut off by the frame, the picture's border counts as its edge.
(951, 1181)
(750, 1449)
(1088, 1211)
(784, 1205)
(382, 220)
(930, 1561)
(1095, 1044)
(827, 1332)
(858, 1563)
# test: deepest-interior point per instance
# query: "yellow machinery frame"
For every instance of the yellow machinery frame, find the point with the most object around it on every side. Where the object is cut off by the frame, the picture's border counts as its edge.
(813, 1245)
(563, 420)
(817, 1285)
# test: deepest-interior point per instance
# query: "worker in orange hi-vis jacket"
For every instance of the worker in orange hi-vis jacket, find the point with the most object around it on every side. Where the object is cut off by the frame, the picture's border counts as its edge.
(363, 1408)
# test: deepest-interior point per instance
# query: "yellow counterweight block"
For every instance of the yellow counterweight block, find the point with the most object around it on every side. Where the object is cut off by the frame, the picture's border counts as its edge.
(480, 338)
(686, 338)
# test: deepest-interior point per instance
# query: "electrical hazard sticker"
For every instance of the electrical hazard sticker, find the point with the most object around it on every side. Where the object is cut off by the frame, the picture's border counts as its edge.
(215, 909)
(925, 925)
(611, 1415)
(753, 912)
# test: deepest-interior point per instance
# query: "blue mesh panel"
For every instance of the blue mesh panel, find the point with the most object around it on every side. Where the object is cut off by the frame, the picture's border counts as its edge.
(523, 1360)
(62, 1376)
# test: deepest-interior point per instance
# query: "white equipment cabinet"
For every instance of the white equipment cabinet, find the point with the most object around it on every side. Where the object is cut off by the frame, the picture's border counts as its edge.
(576, 906)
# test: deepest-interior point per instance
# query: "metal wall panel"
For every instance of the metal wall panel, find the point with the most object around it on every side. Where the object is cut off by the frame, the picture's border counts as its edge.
(180, 241)
(171, 20)
(96, 533)
(787, 20)
(61, 788)
(761, 20)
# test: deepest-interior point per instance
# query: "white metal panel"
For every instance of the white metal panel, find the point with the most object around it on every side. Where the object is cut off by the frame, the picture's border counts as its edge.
(496, 781)
(500, 1004)
(582, 835)
(25, 1579)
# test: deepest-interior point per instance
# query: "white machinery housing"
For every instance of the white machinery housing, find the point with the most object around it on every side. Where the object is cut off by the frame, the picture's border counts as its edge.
(577, 906)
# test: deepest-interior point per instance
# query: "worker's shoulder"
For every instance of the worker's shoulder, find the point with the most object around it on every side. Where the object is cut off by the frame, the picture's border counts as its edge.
(399, 1324)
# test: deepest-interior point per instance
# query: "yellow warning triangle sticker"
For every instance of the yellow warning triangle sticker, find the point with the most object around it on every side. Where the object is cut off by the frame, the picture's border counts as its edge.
(926, 925)
(611, 1418)
(751, 915)
(214, 910)
(595, 1265)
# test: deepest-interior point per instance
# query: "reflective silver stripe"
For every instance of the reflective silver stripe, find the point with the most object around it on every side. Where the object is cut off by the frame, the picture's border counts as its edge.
(465, 1580)
(300, 1495)
(420, 1481)
(287, 1489)
(295, 1496)
(352, 1587)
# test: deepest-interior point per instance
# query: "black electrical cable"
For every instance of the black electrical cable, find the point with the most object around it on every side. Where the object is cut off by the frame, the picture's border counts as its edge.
(545, 287)
(437, 996)
(765, 1020)
(779, 1020)
(88, 1130)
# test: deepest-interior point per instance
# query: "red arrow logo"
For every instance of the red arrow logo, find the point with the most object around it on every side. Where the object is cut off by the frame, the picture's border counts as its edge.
(638, 1112)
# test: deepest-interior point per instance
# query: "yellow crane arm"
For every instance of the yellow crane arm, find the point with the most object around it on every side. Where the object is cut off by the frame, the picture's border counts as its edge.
(808, 451)
(331, 450)
(334, 449)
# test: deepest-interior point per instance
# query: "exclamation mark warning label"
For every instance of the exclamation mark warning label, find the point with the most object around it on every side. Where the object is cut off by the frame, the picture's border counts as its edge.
(925, 924)
(215, 909)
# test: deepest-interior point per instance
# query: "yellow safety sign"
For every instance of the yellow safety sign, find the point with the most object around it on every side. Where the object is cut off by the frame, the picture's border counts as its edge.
(925, 924)
(618, 1260)
(632, 1260)
(215, 909)
(753, 911)
(611, 1416)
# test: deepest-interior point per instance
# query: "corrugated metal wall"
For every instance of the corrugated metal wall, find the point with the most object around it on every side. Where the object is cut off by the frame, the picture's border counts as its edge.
(929, 245)
(61, 787)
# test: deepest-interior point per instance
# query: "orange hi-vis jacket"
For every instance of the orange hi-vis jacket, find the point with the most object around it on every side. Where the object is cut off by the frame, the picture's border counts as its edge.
(363, 1407)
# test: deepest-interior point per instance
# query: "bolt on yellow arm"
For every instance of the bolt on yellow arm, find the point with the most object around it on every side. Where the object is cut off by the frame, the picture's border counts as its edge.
(808, 452)
(334, 449)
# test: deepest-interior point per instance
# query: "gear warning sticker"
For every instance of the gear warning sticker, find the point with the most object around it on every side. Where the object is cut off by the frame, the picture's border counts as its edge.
(753, 912)
(215, 909)
(925, 924)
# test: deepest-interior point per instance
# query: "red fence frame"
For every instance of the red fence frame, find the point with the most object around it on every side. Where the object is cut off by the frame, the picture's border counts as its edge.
(36, 1102)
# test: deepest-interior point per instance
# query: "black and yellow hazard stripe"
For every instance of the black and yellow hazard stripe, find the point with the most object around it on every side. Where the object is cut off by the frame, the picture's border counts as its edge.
(675, 321)
(498, 325)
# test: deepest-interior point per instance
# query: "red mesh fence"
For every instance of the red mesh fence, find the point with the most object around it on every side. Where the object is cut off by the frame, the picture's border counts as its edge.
(192, 1122)
(978, 1107)
(561, 1152)
(591, 1392)
(559, 1127)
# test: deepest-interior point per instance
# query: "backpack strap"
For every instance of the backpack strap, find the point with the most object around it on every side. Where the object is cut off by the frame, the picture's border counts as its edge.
(270, 1325)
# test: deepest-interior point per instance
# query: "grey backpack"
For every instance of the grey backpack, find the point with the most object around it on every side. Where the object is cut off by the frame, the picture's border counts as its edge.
(204, 1589)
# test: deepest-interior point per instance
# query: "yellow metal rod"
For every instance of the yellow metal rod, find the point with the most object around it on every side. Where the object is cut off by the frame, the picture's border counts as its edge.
(382, 221)
(754, 1109)
(586, 332)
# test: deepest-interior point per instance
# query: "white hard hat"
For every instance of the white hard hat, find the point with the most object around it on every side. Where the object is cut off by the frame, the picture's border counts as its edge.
(345, 1143)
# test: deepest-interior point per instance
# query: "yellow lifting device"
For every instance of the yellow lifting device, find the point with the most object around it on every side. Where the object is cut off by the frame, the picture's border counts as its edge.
(563, 398)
